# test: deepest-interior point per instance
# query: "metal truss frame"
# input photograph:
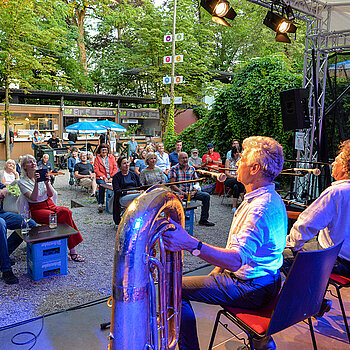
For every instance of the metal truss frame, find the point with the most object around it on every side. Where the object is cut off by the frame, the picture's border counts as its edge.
(320, 42)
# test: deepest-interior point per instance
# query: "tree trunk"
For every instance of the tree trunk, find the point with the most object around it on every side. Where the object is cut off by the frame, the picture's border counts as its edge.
(6, 117)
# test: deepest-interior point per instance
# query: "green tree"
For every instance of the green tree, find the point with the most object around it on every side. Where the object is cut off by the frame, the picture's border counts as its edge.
(30, 41)
(248, 106)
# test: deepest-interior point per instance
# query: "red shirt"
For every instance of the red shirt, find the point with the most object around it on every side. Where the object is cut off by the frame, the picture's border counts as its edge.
(214, 156)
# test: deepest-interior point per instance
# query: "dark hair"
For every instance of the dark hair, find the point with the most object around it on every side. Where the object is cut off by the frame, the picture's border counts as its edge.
(74, 149)
(102, 145)
(119, 161)
(178, 141)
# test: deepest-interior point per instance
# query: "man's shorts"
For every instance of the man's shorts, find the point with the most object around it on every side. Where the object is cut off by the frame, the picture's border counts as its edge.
(85, 182)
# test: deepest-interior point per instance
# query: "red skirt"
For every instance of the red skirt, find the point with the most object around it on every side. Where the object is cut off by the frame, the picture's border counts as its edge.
(40, 213)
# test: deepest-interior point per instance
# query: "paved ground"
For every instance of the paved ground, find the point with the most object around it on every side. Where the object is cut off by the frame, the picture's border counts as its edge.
(92, 279)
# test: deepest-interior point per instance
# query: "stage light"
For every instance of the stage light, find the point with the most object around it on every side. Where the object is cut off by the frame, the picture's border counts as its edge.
(280, 25)
(219, 9)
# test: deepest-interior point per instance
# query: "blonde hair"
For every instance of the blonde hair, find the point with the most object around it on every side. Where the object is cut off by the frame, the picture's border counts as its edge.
(265, 151)
(149, 155)
(344, 151)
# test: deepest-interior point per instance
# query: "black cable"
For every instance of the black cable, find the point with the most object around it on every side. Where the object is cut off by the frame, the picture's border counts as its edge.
(34, 338)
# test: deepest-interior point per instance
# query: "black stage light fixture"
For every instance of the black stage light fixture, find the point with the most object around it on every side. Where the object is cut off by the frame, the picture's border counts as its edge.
(219, 10)
(280, 25)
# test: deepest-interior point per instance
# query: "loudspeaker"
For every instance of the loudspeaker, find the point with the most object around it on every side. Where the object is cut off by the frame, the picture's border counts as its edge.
(295, 111)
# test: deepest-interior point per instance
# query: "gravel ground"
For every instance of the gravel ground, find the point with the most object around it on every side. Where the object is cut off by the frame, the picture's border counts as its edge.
(91, 279)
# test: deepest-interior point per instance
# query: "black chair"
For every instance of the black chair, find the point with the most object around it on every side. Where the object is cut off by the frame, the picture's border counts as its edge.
(339, 282)
(299, 299)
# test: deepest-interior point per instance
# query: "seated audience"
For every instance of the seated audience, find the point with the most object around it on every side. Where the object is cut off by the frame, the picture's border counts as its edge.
(105, 168)
(247, 269)
(131, 144)
(85, 174)
(44, 163)
(231, 175)
(163, 162)
(18, 165)
(9, 221)
(91, 158)
(39, 197)
(235, 143)
(123, 180)
(185, 172)
(211, 159)
(195, 160)
(9, 174)
(116, 156)
(36, 139)
(72, 160)
(54, 142)
(173, 157)
(140, 163)
(152, 175)
(150, 148)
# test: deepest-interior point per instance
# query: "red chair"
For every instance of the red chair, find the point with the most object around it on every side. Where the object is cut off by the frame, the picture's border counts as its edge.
(340, 282)
(299, 299)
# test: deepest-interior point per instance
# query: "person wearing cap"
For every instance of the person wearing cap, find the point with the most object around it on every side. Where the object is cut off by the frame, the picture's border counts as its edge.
(211, 159)
(194, 160)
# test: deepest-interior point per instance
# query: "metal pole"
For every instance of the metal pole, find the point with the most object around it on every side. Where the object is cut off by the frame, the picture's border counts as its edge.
(173, 60)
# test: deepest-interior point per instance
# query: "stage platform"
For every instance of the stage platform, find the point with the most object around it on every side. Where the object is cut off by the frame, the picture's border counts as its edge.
(79, 329)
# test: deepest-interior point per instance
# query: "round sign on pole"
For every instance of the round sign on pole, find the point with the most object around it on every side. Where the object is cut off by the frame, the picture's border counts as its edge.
(167, 59)
(179, 58)
(179, 36)
(166, 80)
(168, 38)
(178, 79)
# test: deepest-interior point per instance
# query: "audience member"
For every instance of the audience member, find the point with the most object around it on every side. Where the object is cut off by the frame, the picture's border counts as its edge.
(72, 138)
(104, 138)
(173, 157)
(44, 163)
(123, 180)
(131, 144)
(195, 160)
(39, 196)
(9, 174)
(105, 168)
(116, 156)
(72, 160)
(85, 174)
(231, 175)
(247, 269)
(140, 163)
(163, 162)
(113, 142)
(184, 172)
(91, 158)
(9, 221)
(36, 139)
(152, 175)
(150, 141)
(235, 146)
(18, 165)
(54, 142)
(12, 138)
(211, 159)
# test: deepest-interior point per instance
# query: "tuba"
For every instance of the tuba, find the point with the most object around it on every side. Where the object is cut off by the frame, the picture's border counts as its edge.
(139, 320)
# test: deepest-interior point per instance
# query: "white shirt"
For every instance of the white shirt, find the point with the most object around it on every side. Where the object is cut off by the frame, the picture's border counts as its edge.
(258, 233)
(27, 185)
(163, 162)
(329, 215)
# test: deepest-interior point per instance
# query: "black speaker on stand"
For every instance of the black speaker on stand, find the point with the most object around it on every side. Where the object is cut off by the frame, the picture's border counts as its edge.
(295, 111)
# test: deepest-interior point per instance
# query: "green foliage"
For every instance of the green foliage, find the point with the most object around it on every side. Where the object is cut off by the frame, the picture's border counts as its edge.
(132, 130)
(248, 106)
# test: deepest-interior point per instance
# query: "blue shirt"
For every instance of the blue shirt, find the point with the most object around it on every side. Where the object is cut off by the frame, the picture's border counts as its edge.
(1, 187)
(140, 163)
(174, 158)
(133, 146)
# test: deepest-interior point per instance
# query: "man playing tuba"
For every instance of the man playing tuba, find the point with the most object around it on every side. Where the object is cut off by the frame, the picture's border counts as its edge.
(247, 269)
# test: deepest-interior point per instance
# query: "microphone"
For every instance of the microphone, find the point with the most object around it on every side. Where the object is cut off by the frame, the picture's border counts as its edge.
(315, 172)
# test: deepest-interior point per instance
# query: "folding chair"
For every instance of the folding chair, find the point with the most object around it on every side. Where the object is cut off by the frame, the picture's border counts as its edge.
(299, 299)
(339, 282)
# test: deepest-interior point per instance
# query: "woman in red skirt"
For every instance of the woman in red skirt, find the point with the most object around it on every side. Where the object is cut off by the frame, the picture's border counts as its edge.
(39, 196)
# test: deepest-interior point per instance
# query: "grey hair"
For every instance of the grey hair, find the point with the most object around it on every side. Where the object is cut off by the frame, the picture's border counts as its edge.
(267, 152)
(24, 161)
(149, 155)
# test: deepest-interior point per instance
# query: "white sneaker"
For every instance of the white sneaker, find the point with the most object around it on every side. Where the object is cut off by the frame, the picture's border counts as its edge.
(234, 210)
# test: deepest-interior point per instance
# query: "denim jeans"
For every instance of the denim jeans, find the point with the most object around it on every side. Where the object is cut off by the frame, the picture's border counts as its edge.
(9, 221)
(203, 197)
(101, 191)
(222, 289)
(127, 199)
